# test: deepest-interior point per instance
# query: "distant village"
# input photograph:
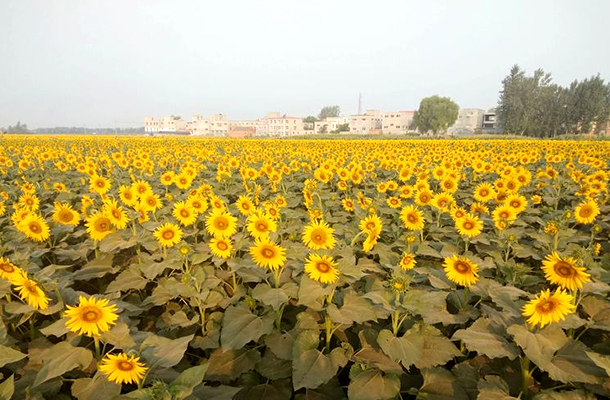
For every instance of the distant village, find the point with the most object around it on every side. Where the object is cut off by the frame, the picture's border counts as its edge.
(372, 122)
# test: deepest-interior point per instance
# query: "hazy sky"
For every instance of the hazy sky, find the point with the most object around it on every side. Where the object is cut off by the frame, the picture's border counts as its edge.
(111, 62)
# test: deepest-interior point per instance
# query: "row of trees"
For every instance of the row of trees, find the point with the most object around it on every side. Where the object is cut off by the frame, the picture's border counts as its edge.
(19, 128)
(535, 106)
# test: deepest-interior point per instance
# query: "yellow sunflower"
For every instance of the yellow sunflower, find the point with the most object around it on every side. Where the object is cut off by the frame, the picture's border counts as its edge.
(564, 272)
(197, 203)
(370, 224)
(245, 205)
(30, 292)
(115, 213)
(412, 218)
(267, 254)
(127, 195)
(221, 224)
(547, 308)
(29, 201)
(185, 214)
(221, 247)
(586, 212)
(484, 192)
(318, 235)
(408, 261)
(168, 234)
(91, 317)
(64, 214)
(9, 271)
(150, 202)
(321, 269)
(469, 225)
(122, 368)
(98, 226)
(35, 227)
(442, 201)
(348, 204)
(461, 270)
(516, 202)
(260, 224)
(503, 216)
(99, 184)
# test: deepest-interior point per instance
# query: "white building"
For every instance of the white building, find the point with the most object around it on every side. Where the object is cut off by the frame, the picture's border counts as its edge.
(396, 122)
(362, 124)
(468, 121)
(330, 124)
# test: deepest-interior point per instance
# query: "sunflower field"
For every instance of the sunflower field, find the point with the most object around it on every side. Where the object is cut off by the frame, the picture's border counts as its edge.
(187, 268)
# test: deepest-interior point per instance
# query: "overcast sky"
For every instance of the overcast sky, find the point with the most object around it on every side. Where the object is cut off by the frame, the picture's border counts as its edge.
(111, 62)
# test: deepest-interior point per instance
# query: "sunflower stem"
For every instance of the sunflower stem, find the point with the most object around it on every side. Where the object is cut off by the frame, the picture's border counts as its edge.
(96, 342)
(466, 243)
(328, 323)
(526, 376)
(466, 295)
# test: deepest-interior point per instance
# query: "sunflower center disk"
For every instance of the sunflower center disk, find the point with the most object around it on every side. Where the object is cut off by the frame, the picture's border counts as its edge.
(323, 267)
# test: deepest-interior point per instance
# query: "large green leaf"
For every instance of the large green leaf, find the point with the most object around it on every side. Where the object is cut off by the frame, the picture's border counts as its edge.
(183, 385)
(565, 395)
(240, 326)
(440, 384)
(372, 384)
(274, 297)
(163, 352)
(98, 387)
(225, 366)
(313, 294)
(437, 349)
(407, 349)
(119, 336)
(486, 339)
(9, 355)
(354, 309)
(598, 308)
(539, 347)
(7, 388)
(572, 364)
(61, 358)
(493, 387)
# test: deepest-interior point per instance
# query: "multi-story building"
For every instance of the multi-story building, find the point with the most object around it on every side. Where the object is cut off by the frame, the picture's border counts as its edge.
(199, 126)
(396, 122)
(219, 126)
(330, 124)
(368, 122)
(468, 121)
(489, 123)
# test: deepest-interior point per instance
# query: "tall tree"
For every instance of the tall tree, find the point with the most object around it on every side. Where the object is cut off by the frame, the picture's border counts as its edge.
(329, 111)
(435, 114)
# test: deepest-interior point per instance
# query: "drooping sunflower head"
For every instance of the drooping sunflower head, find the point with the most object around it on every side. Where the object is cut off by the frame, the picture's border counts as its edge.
(318, 235)
(461, 270)
(91, 317)
(564, 272)
(547, 308)
(321, 269)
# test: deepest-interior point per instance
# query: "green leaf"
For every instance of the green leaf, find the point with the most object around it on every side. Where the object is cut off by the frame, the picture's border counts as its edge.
(227, 365)
(354, 309)
(406, 349)
(372, 384)
(493, 388)
(572, 364)
(274, 368)
(437, 349)
(600, 360)
(126, 280)
(96, 268)
(57, 328)
(184, 384)
(440, 384)
(312, 294)
(98, 387)
(539, 347)
(61, 358)
(7, 388)
(311, 368)
(119, 336)
(598, 308)
(162, 352)
(9, 355)
(274, 297)
(216, 392)
(565, 395)
(240, 326)
(486, 339)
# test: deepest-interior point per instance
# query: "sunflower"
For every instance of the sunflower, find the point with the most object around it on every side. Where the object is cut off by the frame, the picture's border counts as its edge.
(546, 308)
(245, 205)
(516, 202)
(564, 272)
(370, 241)
(267, 254)
(318, 235)
(29, 201)
(98, 226)
(185, 214)
(394, 202)
(122, 368)
(141, 188)
(221, 224)
(586, 212)
(503, 216)
(35, 227)
(469, 225)
(197, 203)
(321, 269)
(281, 202)
(64, 214)
(407, 261)
(99, 184)
(371, 224)
(272, 210)
(30, 292)
(9, 271)
(91, 317)
(168, 234)
(442, 201)
(151, 202)
(484, 192)
(423, 197)
(115, 213)
(127, 196)
(167, 178)
(348, 204)
(260, 224)
(461, 270)
(221, 247)
(183, 181)
(412, 218)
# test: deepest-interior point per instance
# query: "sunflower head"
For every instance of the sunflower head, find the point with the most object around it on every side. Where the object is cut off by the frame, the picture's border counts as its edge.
(461, 270)
(321, 269)
(122, 368)
(91, 317)
(548, 307)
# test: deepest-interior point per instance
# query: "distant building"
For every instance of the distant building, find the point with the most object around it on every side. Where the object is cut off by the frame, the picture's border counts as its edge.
(468, 122)
(241, 131)
(490, 122)
(277, 124)
(165, 125)
(396, 122)
(362, 124)
(330, 124)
